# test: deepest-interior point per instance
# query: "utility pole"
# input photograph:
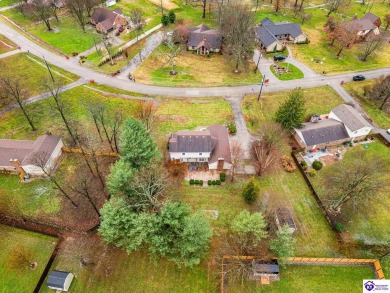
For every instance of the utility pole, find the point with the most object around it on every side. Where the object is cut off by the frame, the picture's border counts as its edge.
(261, 89)
(48, 68)
(258, 61)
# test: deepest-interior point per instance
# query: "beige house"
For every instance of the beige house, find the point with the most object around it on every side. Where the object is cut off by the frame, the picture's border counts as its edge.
(107, 20)
(367, 26)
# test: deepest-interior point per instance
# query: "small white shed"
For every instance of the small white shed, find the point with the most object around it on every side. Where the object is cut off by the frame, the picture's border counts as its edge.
(60, 280)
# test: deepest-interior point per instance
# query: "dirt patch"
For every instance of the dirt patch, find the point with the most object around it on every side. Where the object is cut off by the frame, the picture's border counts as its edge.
(175, 118)
(167, 4)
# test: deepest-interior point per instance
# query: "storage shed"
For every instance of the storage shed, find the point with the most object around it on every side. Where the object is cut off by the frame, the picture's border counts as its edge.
(59, 280)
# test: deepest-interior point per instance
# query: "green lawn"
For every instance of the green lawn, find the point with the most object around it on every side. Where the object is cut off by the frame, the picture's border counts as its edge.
(293, 71)
(40, 246)
(4, 3)
(313, 279)
(319, 100)
(6, 45)
(362, 226)
(380, 117)
(32, 72)
(193, 70)
(66, 35)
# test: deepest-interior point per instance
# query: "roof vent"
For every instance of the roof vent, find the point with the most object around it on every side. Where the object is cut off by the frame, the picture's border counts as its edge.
(315, 118)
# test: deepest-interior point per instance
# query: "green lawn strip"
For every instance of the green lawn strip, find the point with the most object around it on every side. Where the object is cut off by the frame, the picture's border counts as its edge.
(39, 245)
(193, 71)
(4, 3)
(139, 273)
(367, 228)
(66, 35)
(319, 100)
(313, 279)
(3, 45)
(108, 89)
(16, 16)
(293, 72)
(380, 117)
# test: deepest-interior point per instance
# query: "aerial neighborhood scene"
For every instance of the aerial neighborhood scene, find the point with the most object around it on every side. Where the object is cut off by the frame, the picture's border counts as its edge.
(194, 146)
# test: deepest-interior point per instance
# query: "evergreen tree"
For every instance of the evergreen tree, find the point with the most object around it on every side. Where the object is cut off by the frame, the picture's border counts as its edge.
(119, 178)
(172, 16)
(250, 191)
(284, 243)
(136, 146)
(292, 112)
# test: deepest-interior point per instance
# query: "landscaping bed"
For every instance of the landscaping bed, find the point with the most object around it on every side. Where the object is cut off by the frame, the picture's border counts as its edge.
(286, 71)
(39, 248)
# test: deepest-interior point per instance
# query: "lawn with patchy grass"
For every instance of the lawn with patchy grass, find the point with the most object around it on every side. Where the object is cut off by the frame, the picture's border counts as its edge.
(32, 72)
(4, 3)
(6, 45)
(355, 89)
(319, 100)
(362, 226)
(293, 72)
(192, 70)
(310, 279)
(40, 246)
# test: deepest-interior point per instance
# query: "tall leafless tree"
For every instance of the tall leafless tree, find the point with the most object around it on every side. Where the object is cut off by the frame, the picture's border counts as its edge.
(345, 36)
(41, 10)
(13, 88)
(380, 92)
(79, 11)
(371, 44)
(83, 187)
(147, 114)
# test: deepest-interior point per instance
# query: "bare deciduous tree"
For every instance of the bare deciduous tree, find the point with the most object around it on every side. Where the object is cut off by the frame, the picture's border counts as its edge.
(78, 9)
(20, 258)
(237, 154)
(356, 180)
(345, 36)
(147, 114)
(262, 157)
(371, 44)
(237, 27)
(335, 6)
(40, 10)
(379, 93)
(173, 51)
(12, 88)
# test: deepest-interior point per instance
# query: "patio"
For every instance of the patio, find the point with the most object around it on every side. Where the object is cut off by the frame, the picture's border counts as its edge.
(204, 175)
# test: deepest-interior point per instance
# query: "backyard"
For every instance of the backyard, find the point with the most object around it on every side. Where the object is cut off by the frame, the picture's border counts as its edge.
(380, 117)
(37, 245)
(360, 225)
(192, 70)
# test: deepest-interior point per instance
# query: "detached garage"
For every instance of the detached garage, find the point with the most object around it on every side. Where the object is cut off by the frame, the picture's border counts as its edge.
(60, 280)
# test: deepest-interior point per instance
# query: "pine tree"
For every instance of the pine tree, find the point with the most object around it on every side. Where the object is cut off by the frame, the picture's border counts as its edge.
(250, 191)
(284, 243)
(292, 112)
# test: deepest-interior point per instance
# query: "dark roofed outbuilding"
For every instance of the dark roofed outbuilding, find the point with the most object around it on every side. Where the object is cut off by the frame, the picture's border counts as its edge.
(203, 39)
(59, 280)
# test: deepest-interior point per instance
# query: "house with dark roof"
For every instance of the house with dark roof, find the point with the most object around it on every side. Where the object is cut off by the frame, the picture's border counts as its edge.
(265, 271)
(283, 216)
(107, 20)
(367, 26)
(204, 40)
(59, 280)
(209, 145)
(272, 35)
(342, 124)
(24, 156)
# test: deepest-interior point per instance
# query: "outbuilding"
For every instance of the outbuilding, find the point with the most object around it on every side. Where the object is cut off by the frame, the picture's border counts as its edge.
(60, 280)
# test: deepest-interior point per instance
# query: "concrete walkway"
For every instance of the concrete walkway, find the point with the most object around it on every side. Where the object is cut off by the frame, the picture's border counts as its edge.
(151, 44)
(307, 71)
(264, 65)
(10, 53)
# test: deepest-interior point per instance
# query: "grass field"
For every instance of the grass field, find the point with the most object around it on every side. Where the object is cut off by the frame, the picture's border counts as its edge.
(32, 72)
(380, 117)
(362, 226)
(6, 45)
(40, 246)
(293, 71)
(193, 70)
(319, 100)
(4, 3)
(313, 279)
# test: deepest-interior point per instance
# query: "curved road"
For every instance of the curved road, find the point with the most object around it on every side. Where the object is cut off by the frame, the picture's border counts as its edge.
(73, 66)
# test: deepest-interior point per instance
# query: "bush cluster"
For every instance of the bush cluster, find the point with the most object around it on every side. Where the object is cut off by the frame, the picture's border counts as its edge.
(214, 182)
(339, 227)
(317, 165)
(168, 18)
(222, 177)
(231, 126)
(304, 165)
(288, 164)
(196, 182)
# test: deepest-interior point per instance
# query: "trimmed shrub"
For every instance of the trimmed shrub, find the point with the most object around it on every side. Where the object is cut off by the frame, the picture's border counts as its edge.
(312, 173)
(192, 181)
(165, 20)
(209, 182)
(171, 16)
(304, 165)
(214, 182)
(317, 165)
(201, 182)
(196, 182)
(218, 182)
(339, 227)
(288, 164)
(222, 177)
(251, 191)
(231, 126)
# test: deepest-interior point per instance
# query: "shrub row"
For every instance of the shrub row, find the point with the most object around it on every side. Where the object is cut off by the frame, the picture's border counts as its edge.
(196, 182)
(214, 182)
(108, 58)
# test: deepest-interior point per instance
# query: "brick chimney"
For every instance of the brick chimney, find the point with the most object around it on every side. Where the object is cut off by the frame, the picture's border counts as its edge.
(220, 164)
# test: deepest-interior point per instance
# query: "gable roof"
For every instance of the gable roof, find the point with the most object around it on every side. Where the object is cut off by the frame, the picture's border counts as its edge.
(222, 148)
(192, 142)
(268, 30)
(57, 279)
(350, 117)
(25, 150)
(371, 17)
(105, 17)
(359, 25)
(202, 33)
(323, 131)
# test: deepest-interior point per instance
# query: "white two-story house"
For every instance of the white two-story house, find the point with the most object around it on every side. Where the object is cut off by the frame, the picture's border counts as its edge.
(209, 145)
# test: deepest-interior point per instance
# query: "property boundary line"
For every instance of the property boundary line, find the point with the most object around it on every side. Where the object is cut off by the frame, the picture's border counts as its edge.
(88, 152)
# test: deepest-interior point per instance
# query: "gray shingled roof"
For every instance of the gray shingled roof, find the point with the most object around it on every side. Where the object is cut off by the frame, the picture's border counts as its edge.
(222, 148)
(265, 268)
(202, 32)
(350, 117)
(323, 131)
(359, 25)
(371, 17)
(57, 279)
(268, 30)
(105, 17)
(192, 142)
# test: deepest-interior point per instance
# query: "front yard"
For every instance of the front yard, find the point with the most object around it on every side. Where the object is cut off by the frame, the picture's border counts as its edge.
(193, 71)
(366, 223)
(6, 45)
(292, 72)
(38, 246)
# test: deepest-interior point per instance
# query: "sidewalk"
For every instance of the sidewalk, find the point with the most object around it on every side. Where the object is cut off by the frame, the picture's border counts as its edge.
(14, 52)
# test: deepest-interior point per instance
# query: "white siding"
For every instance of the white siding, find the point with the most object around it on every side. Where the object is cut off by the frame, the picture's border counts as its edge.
(360, 132)
(279, 47)
(68, 281)
(300, 39)
(190, 157)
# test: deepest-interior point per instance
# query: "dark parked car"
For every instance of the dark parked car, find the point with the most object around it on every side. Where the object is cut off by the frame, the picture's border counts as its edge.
(279, 58)
(358, 78)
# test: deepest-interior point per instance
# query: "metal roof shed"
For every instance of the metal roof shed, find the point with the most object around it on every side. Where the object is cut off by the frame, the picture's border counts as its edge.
(59, 280)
